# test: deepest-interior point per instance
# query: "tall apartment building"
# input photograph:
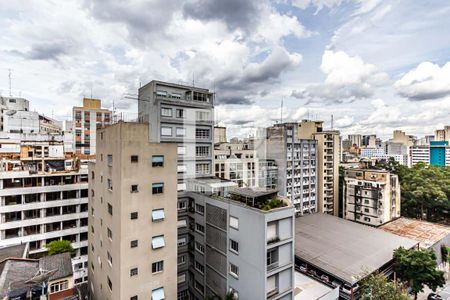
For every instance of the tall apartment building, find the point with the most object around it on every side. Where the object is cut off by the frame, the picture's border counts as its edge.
(369, 140)
(43, 198)
(239, 246)
(401, 137)
(355, 139)
(439, 153)
(371, 197)
(12, 104)
(297, 163)
(220, 134)
(87, 119)
(328, 146)
(132, 216)
(443, 134)
(419, 154)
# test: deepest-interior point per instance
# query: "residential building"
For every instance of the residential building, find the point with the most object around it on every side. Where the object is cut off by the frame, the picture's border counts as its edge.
(86, 120)
(268, 174)
(240, 246)
(20, 121)
(49, 125)
(339, 253)
(443, 134)
(328, 147)
(49, 277)
(132, 215)
(12, 104)
(43, 197)
(355, 139)
(419, 154)
(220, 134)
(402, 138)
(182, 115)
(371, 197)
(369, 141)
(369, 152)
(297, 165)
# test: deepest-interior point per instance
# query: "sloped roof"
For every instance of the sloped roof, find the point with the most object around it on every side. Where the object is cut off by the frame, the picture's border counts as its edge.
(61, 262)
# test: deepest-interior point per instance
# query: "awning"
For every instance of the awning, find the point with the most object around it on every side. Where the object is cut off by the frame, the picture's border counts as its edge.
(158, 242)
(158, 294)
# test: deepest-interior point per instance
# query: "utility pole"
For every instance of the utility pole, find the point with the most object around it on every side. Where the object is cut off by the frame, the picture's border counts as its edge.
(281, 111)
(9, 75)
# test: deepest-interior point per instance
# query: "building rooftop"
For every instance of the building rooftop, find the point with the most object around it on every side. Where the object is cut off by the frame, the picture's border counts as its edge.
(252, 193)
(307, 288)
(61, 262)
(343, 248)
(17, 251)
(426, 233)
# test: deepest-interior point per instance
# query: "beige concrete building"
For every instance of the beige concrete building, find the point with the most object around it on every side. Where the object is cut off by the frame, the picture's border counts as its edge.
(220, 134)
(443, 134)
(132, 218)
(328, 146)
(86, 120)
(402, 138)
(371, 197)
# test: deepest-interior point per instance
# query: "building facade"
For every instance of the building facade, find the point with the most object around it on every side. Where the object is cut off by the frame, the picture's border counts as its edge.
(371, 197)
(296, 160)
(43, 199)
(86, 120)
(132, 216)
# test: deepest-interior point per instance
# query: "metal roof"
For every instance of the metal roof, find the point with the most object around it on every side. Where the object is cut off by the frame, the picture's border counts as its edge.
(426, 233)
(342, 248)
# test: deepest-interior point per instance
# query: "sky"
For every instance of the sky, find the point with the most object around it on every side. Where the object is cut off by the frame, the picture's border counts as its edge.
(375, 66)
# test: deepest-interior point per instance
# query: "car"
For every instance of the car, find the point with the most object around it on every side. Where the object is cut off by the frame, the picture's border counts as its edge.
(434, 296)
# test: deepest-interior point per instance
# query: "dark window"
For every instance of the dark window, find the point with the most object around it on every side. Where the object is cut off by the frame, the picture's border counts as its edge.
(134, 158)
(134, 272)
(157, 188)
(110, 209)
(158, 161)
(134, 188)
(134, 244)
(134, 215)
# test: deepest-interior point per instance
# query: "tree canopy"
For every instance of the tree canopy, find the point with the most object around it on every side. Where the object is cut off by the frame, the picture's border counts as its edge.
(61, 246)
(418, 269)
(377, 286)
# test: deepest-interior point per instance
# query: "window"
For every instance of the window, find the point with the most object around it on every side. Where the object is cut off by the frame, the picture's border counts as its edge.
(182, 205)
(110, 186)
(199, 228)
(199, 267)
(181, 131)
(134, 215)
(200, 209)
(234, 222)
(202, 168)
(59, 286)
(109, 257)
(134, 188)
(134, 158)
(181, 259)
(202, 151)
(166, 112)
(199, 247)
(181, 150)
(110, 209)
(181, 279)
(109, 283)
(133, 272)
(134, 244)
(158, 266)
(134, 298)
(180, 113)
(166, 131)
(110, 160)
(182, 223)
(202, 115)
(109, 232)
(181, 242)
(158, 215)
(158, 294)
(158, 242)
(198, 286)
(158, 161)
(234, 270)
(157, 188)
(201, 133)
(92, 175)
(234, 246)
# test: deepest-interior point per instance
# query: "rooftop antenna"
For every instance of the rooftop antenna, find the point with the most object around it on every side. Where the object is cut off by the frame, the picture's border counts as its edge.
(193, 79)
(332, 119)
(91, 91)
(9, 75)
(281, 111)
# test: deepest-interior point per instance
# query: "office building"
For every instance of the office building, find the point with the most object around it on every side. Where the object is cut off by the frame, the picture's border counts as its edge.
(132, 216)
(43, 197)
(355, 139)
(371, 197)
(297, 165)
(220, 134)
(369, 152)
(443, 134)
(419, 154)
(402, 138)
(369, 141)
(242, 244)
(327, 164)
(439, 150)
(86, 120)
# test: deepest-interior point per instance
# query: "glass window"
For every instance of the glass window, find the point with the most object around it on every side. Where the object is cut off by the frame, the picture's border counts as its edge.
(158, 294)
(158, 266)
(181, 259)
(234, 222)
(181, 131)
(199, 209)
(166, 131)
(133, 272)
(134, 188)
(180, 113)
(234, 246)
(182, 223)
(134, 215)
(181, 150)
(110, 160)
(157, 160)
(166, 112)
(202, 151)
(158, 242)
(158, 215)
(157, 188)
(199, 228)
(202, 133)
(134, 244)
(234, 270)
(134, 158)
(181, 241)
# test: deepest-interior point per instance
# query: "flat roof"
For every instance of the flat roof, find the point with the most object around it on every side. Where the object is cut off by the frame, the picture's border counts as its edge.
(426, 233)
(343, 248)
(306, 288)
(252, 192)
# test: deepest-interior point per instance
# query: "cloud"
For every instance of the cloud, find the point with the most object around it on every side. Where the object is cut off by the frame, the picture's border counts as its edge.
(344, 122)
(237, 14)
(426, 81)
(348, 78)
(47, 51)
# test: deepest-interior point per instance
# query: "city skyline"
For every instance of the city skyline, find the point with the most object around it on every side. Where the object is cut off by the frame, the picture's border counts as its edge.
(386, 62)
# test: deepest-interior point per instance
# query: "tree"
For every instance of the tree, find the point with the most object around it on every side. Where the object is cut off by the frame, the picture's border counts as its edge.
(417, 268)
(57, 247)
(377, 286)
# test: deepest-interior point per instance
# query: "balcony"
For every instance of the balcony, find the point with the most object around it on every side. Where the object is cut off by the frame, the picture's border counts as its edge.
(272, 293)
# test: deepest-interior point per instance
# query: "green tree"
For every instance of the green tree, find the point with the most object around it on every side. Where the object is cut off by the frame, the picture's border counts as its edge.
(57, 247)
(417, 268)
(377, 286)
